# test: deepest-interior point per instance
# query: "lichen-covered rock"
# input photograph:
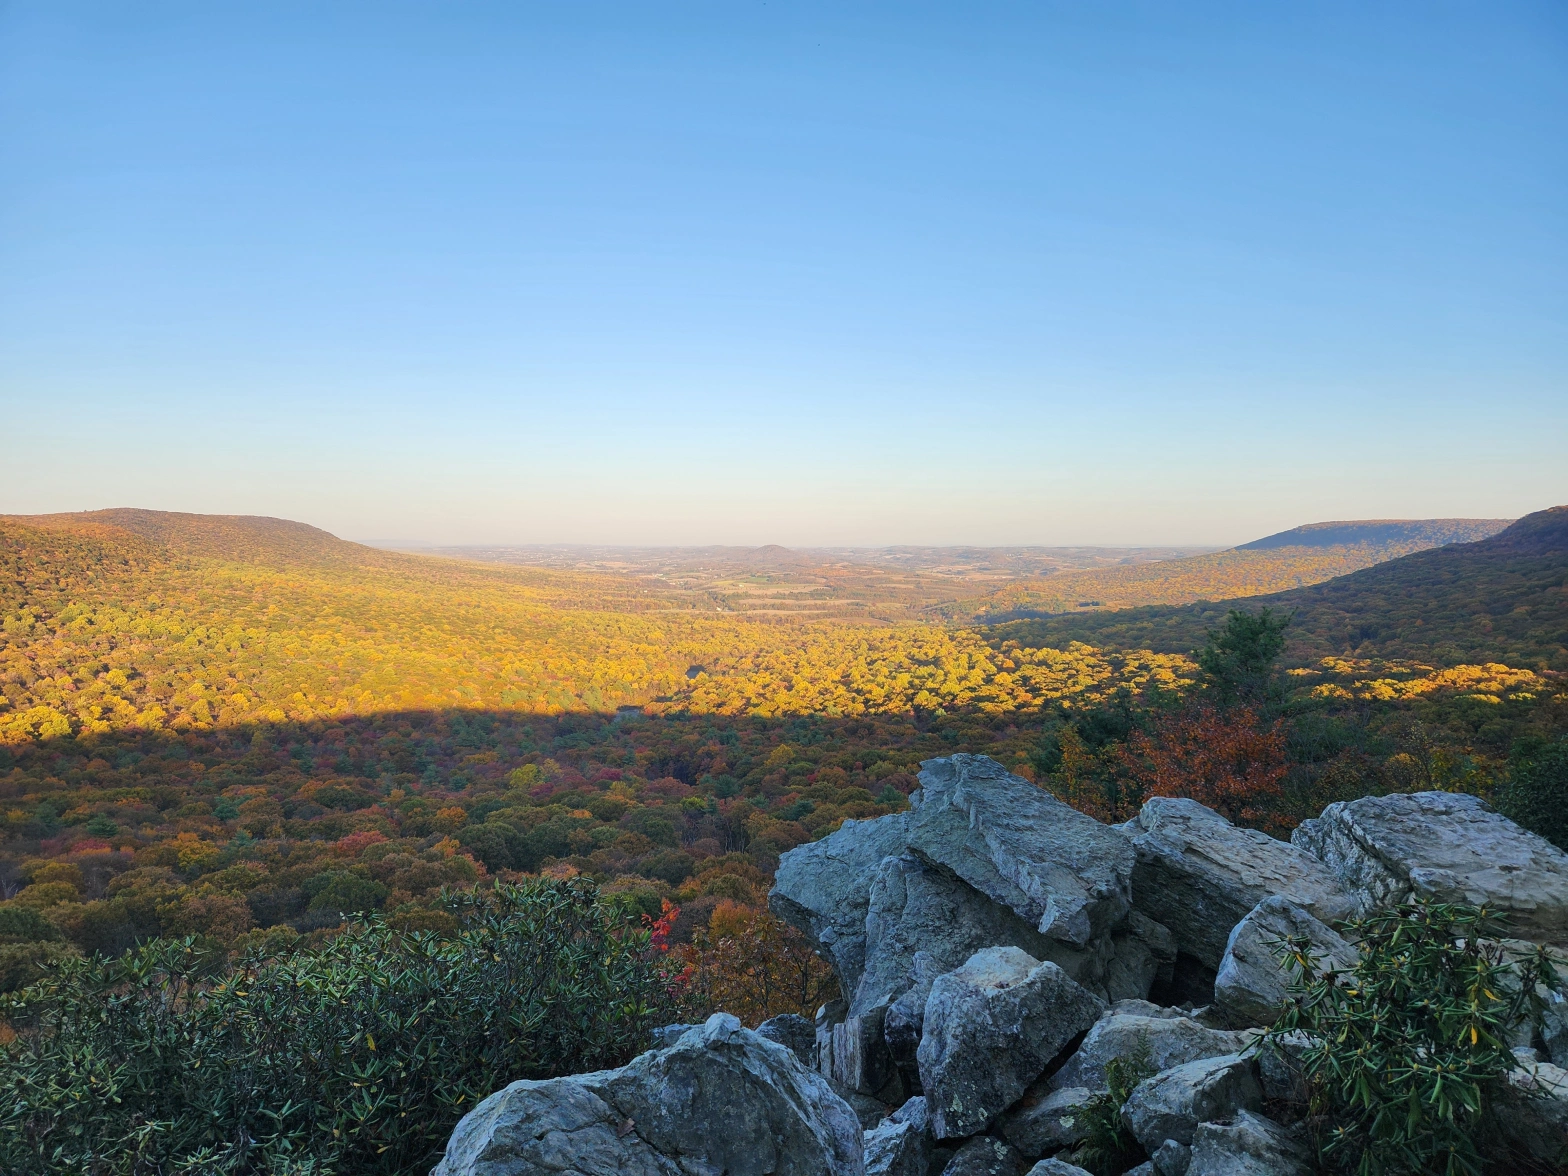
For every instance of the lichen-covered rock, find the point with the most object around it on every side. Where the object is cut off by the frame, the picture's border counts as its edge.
(1252, 983)
(1172, 1103)
(985, 1156)
(824, 887)
(1445, 846)
(1199, 875)
(1045, 1120)
(1128, 1026)
(915, 907)
(721, 1099)
(991, 1028)
(1249, 1146)
(794, 1032)
(1062, 871)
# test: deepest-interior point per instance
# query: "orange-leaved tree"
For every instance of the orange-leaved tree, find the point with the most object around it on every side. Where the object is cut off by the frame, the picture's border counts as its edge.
(748, 963)
(1226, 759)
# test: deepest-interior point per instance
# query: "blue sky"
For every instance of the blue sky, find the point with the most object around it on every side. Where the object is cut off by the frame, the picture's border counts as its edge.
(689, 273)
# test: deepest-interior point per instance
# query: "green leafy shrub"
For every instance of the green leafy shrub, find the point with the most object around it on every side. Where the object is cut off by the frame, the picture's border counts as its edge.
(1108, 1148)
(1409, 1050)
(1536, 791)
(357, 1056)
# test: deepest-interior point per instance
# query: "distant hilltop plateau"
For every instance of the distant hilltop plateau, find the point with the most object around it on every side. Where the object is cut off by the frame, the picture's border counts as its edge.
(1421, 532)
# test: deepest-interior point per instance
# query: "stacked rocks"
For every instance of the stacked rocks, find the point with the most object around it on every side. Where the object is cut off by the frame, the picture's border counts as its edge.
(997, 950)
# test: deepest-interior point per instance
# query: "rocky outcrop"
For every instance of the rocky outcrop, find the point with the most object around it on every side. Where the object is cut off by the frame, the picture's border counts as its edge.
(1062, 871)
(1045, 1120)
(824, 888)
(1172, 1103)
(1131, 1027)
(1143, 954)
(1249, 1146)
(722, 1099)
(1446, 846)
(1199, 875)
(1253, 983)
(991, 1028)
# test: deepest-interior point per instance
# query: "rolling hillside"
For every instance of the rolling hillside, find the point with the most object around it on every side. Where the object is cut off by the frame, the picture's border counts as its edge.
(1503, 599)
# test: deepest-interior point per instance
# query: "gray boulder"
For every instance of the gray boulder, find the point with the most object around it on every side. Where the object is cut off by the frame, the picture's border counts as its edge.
(1055, 1167)
(1249, 1146)
(667, 1035)
(1252, 983)
(985, 1156)
(1171, 1039)
(1281, 1066)
(795, 1033)
(914, 908)
(897, 1148)
(1199, 875)
(1446, 846)
(823, 889)
(905, 1020)
(1062, 871)
(991, 1028)
(1537, 1119)
(1172, 1103)
(1171, 1158)
(1045, 1120)
(721, 1099)
(855, 1054)
(1554, 1029)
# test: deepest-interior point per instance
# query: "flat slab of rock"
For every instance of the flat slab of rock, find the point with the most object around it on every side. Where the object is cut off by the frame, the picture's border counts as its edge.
(823, 889)
(1199, 875)
(1171, 1039)
(721, 1099)
(1446, 846)
(991, 1028)
(1172, 1103)
(1249, 1146)
(916, 907)
(1252, 983)
(1063, 872)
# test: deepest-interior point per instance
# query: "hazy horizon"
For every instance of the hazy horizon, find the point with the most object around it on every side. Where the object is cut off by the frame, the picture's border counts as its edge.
(1054, 275)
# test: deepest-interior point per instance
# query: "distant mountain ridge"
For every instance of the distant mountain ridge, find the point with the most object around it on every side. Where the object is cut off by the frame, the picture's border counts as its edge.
(1423, 532)
(1504, 598)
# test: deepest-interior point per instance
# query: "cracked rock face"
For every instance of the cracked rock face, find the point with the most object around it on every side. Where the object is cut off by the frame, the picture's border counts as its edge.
(1445, 846)
(1199, 875)
(722, 1099)
(915, 907)
(1061, 871)
(823, 889)
(1252, 983)
(991, 1027)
